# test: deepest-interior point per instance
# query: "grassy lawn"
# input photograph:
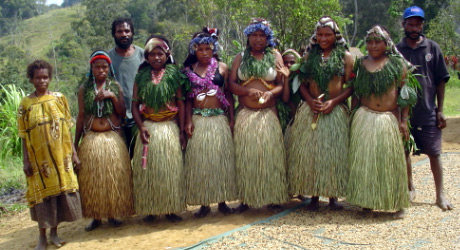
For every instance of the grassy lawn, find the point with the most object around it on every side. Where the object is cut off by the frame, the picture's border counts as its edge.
(451, 99)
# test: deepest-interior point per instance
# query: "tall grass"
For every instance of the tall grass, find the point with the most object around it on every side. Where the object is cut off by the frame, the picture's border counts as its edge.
(10, 143)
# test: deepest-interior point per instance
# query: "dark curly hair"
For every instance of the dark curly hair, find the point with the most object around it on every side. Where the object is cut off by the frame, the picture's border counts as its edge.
(119, 21)
(39, 64)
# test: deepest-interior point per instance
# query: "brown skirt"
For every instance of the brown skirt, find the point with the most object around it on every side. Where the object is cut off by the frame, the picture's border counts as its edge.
(56, 209)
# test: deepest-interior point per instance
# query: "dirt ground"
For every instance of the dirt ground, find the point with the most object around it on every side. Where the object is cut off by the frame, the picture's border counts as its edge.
(425, 226)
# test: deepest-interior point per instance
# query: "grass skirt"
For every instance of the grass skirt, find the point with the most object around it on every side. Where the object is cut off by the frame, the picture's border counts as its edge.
(317, 159)
(210, 162)
(378, 175)
(260, 158)
(105, 177)
(159, 189)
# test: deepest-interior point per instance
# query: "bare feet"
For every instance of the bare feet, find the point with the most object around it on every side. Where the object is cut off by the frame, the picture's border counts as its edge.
(314, 204)
(412, 195)
(302, 197)
(149, 218)
(276, 208)
(444, 204)
(54, 238)
(399, 215)
(223, 208)
(41, 243)
(204, 210)
(173, 218)
(365, 212)
(334, 205)
(114, 222)
(93, 225)
(241, 208)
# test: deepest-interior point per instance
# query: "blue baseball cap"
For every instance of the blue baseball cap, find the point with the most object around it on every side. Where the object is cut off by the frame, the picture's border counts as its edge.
(414, 11)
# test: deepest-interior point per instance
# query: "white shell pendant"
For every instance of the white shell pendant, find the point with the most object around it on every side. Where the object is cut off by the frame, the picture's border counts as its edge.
(200, 97)
(212, 92)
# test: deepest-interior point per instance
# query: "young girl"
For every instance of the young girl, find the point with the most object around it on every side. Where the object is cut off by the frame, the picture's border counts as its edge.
(105, 177)
(378, 177)
(158, 170)
(209, 159)
(44, 123)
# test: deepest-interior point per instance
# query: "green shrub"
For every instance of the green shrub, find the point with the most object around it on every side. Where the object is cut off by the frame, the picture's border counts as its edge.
(10, 143)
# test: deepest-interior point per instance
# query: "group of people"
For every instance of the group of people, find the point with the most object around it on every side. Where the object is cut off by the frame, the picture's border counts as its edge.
(192, 148)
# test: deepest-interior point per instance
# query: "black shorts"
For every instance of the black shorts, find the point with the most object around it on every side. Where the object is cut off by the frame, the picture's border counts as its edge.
(428, 139)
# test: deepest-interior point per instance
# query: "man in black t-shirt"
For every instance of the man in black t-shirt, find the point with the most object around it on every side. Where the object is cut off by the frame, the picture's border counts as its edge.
(427, 118)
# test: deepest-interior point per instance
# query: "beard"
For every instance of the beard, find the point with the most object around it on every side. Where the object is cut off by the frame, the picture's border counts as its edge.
(409, 35)
(122, 44)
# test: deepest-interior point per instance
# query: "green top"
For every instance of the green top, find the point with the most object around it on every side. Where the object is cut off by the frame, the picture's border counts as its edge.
(379, 82)
(320, 70)
(89, 95)
(258, 68)
(156, 95)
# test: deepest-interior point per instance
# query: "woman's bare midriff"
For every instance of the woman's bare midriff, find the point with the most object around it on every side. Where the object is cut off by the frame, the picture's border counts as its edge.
(101, 124)
(335, 88)
(254, 103)
(209, 102)
(384, 103)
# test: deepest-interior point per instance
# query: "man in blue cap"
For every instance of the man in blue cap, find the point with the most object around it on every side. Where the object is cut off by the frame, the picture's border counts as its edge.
(427, 118)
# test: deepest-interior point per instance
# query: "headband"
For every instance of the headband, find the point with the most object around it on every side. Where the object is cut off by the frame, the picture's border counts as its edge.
(263, 25)
(377, 33)
(326, 21)
(292, 52)
(157, 42)
(202, 38)
(100, 54)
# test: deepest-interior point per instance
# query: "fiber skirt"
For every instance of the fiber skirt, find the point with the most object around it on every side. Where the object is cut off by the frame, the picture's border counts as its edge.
(210, 162)
(56, 209)
(159, 188)
(318, 158)
(378, 175)
(260, 158)
(105, 176)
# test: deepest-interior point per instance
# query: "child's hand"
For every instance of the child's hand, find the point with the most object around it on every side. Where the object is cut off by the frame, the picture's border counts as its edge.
(403, 129)
(282, 70)
(28, 169)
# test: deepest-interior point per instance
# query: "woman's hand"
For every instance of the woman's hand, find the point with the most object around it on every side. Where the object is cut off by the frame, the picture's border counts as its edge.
(254, 94)
(104, 94)
(267, 96)
(231, 123)
(76, 162)
(316, 105)
(189, 128)
(145, 135)
(183, 141)
(328, 106)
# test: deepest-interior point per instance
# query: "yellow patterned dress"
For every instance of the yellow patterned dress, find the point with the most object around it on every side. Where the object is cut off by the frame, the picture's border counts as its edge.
(44, 123)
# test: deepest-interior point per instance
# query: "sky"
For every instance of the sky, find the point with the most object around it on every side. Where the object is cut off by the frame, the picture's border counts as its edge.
(58, 2)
